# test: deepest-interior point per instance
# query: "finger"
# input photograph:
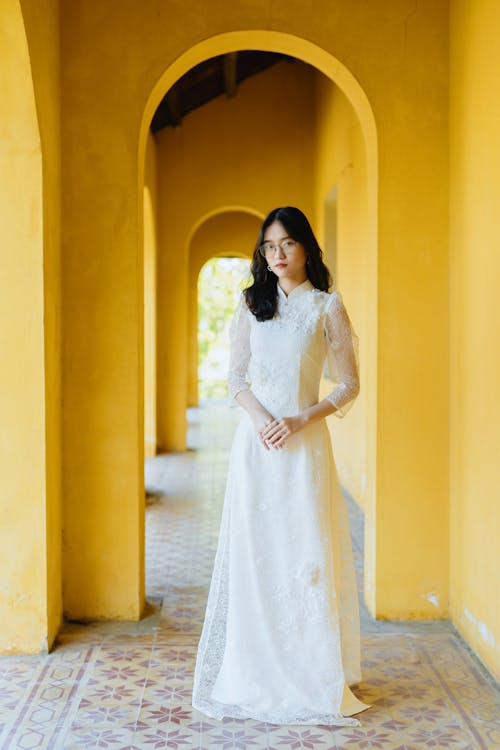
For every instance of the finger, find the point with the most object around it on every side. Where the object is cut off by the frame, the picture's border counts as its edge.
(283, 433)
(281, 439)
(270, 427)
(276, 430)
(262, 442)
(268, 424)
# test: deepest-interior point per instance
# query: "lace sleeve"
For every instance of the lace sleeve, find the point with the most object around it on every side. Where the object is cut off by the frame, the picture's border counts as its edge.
(239, 357)
(342, 355)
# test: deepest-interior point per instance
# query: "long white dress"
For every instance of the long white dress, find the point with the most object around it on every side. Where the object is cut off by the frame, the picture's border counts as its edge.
(281, 639)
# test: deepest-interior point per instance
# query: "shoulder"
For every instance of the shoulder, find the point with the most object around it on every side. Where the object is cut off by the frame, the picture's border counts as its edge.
(330, 300)
(334, 312)
(241, 309)
(241, 303)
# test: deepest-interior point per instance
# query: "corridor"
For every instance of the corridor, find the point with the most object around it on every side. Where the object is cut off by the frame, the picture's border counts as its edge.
(127, 686)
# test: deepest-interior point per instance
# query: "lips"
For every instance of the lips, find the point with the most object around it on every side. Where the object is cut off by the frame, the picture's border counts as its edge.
(280, 265)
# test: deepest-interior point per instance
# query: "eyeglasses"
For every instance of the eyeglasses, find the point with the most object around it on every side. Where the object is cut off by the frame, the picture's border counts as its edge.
(287, 246)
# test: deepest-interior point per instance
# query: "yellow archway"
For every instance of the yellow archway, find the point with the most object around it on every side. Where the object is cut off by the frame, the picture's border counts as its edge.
(339, 74)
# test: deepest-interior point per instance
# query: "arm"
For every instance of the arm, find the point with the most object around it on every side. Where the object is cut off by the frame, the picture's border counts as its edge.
(343, 363)
(238, 385)
(342, 356)
(239, 354)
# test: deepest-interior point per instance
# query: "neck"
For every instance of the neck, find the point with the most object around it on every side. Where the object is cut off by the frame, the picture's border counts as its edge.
(288, 284)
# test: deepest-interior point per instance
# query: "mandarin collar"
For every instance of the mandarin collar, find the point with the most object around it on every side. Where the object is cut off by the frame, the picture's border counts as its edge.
(297, 291)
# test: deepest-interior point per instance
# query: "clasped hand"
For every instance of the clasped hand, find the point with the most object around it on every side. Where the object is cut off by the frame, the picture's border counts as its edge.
(275, 433)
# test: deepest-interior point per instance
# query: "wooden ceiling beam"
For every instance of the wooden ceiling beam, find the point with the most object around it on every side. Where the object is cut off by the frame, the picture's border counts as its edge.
(230, 67)
(174, 106)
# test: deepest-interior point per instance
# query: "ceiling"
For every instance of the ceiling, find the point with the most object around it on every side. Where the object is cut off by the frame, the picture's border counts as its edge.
(217, 76)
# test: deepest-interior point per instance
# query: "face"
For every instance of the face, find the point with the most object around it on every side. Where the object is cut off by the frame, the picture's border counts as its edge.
(291, 265)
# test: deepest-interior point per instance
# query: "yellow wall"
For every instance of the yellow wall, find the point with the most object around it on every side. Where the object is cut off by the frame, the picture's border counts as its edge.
(103, 315)
(150, 253)
(348, 232)
(42, 20)
(343, 227)
(475, 345)
(30, 528)
(223, 156)
(343, 186)
(410, 569)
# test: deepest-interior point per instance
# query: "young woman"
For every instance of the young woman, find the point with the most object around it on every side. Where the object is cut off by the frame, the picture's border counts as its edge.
(280, 641)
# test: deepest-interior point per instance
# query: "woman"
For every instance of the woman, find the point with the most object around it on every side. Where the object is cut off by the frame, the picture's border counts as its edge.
(280, 641)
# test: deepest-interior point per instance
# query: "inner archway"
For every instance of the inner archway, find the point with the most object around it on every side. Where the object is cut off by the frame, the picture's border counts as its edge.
(229, 233)
(220, 281)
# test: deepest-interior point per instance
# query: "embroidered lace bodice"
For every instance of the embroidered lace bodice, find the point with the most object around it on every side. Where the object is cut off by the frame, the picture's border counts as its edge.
(282, 359)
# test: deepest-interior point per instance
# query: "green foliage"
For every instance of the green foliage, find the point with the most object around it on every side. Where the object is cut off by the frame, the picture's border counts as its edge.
(219, 284)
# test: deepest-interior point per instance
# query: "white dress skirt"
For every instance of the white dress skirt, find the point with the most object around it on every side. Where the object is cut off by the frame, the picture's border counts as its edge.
(280, 641)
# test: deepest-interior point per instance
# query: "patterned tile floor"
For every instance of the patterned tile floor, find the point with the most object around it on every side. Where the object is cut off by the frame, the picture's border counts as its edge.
(126, 686)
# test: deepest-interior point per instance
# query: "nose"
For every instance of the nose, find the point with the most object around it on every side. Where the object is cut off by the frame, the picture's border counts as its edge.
(280, 250)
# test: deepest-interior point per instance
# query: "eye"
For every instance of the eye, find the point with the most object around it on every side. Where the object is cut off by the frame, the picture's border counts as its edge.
(288, 243)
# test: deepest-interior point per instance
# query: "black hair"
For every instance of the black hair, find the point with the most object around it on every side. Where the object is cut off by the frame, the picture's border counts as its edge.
(261, 296)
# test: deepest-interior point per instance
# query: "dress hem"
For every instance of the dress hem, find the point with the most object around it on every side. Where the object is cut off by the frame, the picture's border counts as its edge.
(239, 712)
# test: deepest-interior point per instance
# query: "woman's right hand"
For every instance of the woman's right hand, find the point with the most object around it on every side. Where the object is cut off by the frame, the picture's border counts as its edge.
(260, 420)
(256, 411)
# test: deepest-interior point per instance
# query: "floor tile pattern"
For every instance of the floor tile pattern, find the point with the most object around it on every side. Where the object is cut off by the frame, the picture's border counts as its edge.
(127, 686)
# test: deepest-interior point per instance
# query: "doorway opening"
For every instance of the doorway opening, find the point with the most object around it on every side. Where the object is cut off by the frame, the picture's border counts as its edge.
(220, 282)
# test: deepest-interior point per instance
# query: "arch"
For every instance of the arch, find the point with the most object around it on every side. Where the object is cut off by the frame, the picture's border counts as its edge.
(339, 74)
(216, 212)
(269, 41)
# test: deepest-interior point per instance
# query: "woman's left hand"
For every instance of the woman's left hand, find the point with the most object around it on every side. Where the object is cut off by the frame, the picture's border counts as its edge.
(276, 433)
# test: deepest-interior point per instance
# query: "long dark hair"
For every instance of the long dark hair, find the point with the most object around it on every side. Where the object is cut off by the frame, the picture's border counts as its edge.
(261, 296)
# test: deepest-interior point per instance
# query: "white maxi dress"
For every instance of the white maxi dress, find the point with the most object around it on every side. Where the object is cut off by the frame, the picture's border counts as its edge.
(280, 641)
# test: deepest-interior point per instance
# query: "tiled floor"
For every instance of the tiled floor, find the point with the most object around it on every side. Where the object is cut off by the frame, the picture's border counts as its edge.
(128, 685)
